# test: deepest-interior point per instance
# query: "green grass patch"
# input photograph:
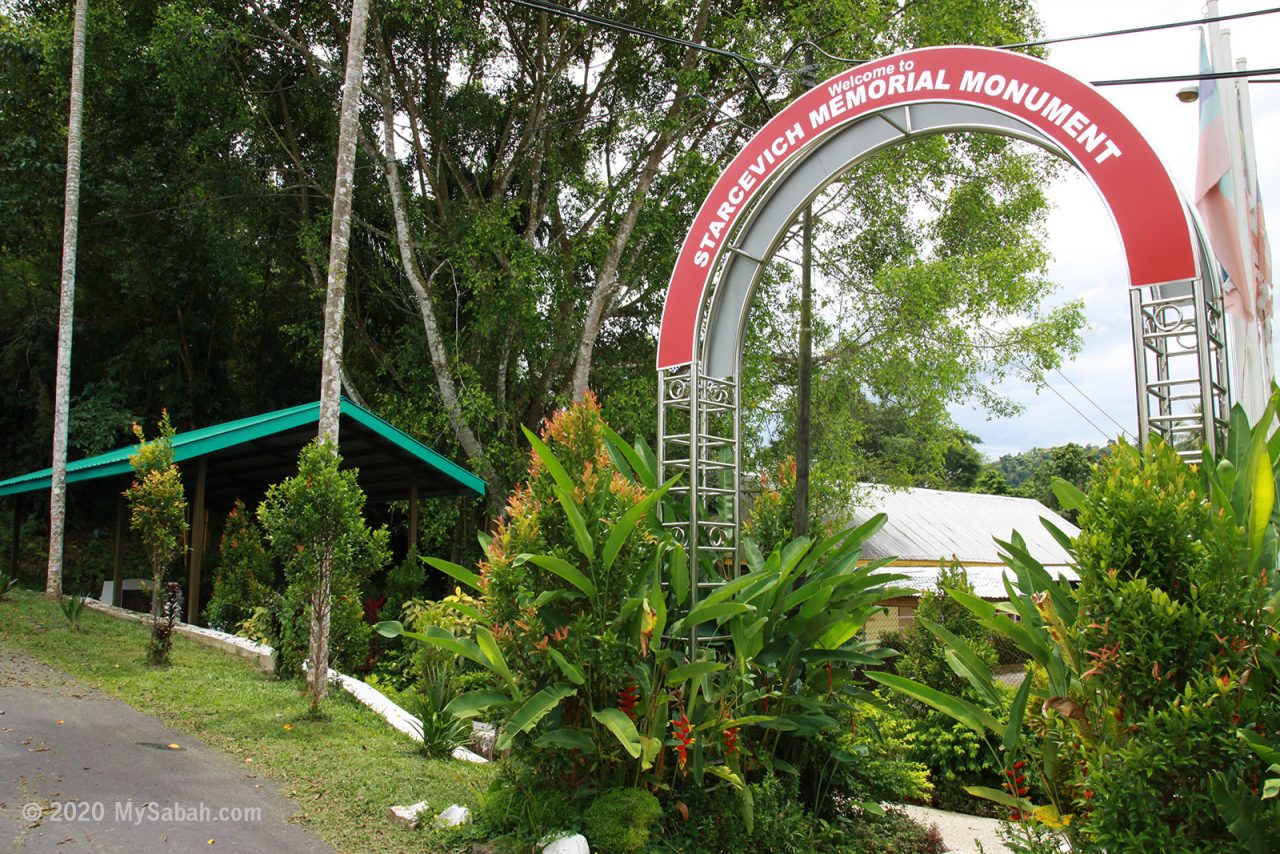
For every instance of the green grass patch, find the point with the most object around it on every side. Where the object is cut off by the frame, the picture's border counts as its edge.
(343, 770)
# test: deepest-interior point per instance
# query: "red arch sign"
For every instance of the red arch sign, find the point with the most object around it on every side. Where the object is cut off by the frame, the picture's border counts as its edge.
(1147, 209)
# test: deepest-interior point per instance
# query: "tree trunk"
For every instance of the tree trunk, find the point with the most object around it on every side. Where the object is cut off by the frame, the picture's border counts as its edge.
(421, 286)
(340, 232)
(66, 308)
(318, 678)
(607, 279)
(804, 382)
(335, 299)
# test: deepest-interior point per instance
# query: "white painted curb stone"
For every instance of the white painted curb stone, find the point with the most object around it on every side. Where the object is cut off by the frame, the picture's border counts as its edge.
(408, 816)
(576, 844)
(454, 816)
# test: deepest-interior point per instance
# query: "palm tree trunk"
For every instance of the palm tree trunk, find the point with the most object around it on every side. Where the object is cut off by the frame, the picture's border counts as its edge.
(66, 308)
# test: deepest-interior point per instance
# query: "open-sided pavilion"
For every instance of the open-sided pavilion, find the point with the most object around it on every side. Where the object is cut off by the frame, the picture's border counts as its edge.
(240, 459)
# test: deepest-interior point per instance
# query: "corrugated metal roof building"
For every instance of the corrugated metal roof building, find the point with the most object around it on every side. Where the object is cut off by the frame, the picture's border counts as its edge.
(929, 526)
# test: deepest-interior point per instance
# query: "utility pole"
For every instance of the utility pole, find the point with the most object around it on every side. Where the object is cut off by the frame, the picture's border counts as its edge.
(804, 382)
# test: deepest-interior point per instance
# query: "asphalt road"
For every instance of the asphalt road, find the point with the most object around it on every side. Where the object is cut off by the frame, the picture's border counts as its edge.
(82, 772)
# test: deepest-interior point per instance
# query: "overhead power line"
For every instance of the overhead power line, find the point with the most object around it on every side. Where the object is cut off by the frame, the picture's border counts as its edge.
(1184, 78)
(599, 20)
(1145, 29)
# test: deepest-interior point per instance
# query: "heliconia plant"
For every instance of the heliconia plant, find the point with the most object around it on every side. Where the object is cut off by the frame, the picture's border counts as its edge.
(1145, 720)
(585, 616)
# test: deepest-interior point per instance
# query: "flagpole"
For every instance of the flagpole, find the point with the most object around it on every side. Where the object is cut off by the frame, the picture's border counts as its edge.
(1259, 265)
(1246, 370)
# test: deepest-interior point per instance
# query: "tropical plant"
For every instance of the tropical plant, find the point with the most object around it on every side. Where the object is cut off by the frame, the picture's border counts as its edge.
(588, 639)
(442, 732)
(1154, 683)
(158, 504)
(72, 607)
(314, 524)
(246, 578)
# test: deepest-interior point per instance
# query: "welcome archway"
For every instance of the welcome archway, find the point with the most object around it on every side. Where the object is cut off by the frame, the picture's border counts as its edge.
(1175, 294)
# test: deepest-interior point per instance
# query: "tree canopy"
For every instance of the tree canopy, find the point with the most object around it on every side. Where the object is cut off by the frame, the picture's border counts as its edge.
(523, 182)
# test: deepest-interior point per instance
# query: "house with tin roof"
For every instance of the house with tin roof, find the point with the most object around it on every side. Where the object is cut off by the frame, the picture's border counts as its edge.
(928, 528)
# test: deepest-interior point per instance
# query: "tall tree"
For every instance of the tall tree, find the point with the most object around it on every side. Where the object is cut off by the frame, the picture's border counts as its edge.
(335, 301)
(339, 241)
(66, 307)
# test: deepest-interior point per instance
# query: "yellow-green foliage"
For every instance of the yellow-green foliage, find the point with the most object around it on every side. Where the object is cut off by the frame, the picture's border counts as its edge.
(157, 503)
(535, 523)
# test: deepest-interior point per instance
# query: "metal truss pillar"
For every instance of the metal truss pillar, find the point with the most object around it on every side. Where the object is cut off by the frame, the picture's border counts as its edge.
(698, 430)
(1180, 365)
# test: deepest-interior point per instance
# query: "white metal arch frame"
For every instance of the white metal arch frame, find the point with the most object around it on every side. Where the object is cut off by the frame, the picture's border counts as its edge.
(1176, 306)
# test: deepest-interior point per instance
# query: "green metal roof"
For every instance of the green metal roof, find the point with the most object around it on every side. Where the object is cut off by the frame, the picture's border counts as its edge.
(248, 454)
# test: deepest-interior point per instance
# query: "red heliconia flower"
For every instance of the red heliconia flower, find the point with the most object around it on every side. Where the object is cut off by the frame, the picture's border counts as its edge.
(680, 730)
(730, 740)
(627, 699)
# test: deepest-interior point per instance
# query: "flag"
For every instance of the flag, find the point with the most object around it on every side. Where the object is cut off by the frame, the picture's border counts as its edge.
(1216, 194)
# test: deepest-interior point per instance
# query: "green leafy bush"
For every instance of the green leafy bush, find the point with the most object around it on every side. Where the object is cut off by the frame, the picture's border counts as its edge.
(620, 819)
(157, 504)
(1156, 685)
(955, 755)
(246, 578)
(865, 760)
(314, 524)
(349, 634)
(404, 581)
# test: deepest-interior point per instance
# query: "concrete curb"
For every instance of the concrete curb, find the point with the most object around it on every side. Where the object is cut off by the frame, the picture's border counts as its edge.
(264, 656)
(261, 654)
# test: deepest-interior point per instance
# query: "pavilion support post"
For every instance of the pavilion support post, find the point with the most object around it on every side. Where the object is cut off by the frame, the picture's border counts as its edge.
(17, 535)
(117, 551)
(413, 511)
(197, 543)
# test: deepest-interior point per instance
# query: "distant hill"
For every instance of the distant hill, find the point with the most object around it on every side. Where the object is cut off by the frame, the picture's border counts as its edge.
(1018, 468)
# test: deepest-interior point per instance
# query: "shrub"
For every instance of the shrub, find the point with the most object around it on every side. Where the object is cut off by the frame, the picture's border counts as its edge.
(314, 524)
(157, 504)
(583, 624)
(955, 755)
(349, 634)
(620, 819)
(521, 804)
(864, 761)
(1154, 683)
(405, 581)
(245, 578)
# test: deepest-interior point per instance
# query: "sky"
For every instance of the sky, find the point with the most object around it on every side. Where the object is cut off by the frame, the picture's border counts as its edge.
(1093, 398)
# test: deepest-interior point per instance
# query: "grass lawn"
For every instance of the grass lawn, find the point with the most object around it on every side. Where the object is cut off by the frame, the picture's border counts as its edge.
(343, 771)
